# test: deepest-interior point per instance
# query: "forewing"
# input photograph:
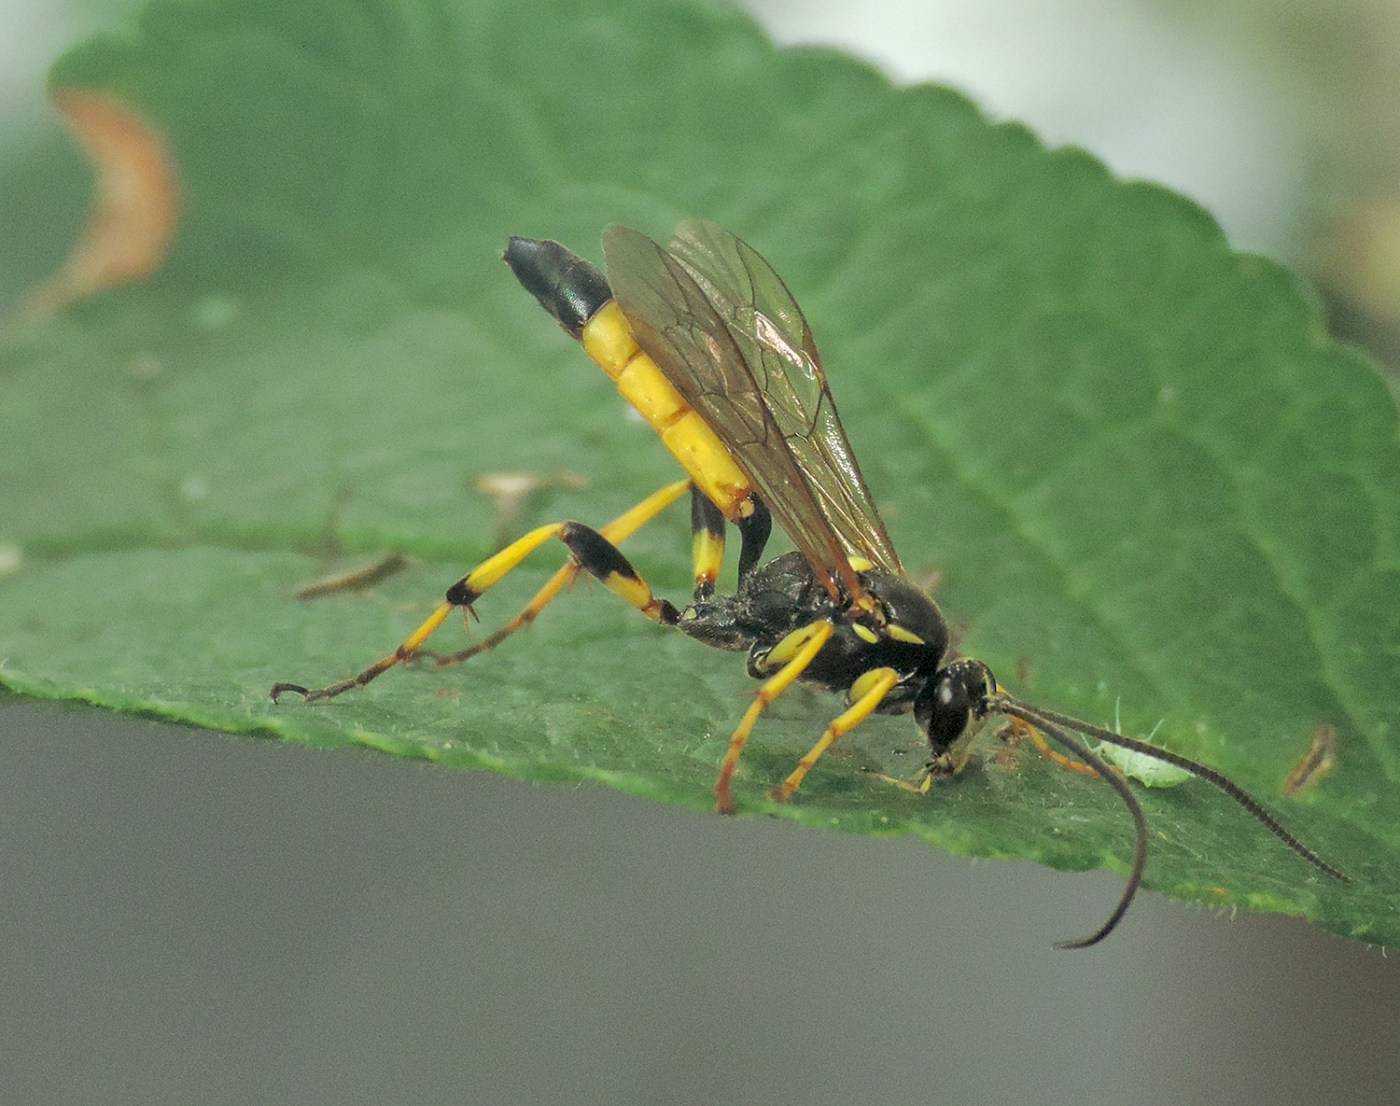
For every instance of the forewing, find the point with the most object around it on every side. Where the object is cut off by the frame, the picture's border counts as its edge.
(675, 323)
(771, 332)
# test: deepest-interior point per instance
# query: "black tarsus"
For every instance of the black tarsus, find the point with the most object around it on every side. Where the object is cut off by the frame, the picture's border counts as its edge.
(1079, 749)
(278, 690)
(1210, 775)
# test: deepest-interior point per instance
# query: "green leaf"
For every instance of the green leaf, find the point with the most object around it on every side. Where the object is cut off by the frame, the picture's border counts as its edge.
(1141, 470)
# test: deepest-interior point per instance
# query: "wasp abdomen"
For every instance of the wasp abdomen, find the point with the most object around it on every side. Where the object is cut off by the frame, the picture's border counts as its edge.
(565, 285)
(579, 298)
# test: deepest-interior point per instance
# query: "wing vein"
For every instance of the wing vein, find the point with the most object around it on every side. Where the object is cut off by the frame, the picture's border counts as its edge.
(725, 330)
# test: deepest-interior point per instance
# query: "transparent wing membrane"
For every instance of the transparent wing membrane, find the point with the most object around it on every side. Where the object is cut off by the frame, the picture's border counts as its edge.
(725, 330)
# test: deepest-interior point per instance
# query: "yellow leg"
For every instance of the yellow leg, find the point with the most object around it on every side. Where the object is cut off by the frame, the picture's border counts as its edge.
(706, 543)
(1022, 728)
(617, 531)
(874, 687)
(804, 644)
(920, 785)
(591, 550)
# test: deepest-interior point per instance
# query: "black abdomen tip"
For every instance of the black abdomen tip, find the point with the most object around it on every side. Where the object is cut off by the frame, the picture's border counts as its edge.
(565, 285)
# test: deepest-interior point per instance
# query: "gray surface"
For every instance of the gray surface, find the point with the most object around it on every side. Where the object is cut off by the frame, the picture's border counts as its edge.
(189, 917)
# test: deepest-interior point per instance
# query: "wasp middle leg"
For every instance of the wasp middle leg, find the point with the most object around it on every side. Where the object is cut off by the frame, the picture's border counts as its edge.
(795, 653)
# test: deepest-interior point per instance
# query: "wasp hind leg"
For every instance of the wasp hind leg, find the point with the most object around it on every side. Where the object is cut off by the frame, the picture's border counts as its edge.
(616, 532)
(592, 550)
(707, 530)
(753, 537)
(707, 545)
(707, 542)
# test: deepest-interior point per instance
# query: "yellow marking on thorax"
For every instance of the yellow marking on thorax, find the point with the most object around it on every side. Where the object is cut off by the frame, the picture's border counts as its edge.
(608, 339)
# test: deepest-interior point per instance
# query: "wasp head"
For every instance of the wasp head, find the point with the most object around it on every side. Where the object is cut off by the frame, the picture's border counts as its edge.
(954, 696)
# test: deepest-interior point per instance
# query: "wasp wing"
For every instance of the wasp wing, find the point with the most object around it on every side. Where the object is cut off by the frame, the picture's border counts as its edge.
(777, 344)
(680, 329)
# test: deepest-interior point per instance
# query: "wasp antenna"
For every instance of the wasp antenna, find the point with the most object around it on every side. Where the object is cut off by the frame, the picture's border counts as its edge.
(1210, 775)
(1079, 749)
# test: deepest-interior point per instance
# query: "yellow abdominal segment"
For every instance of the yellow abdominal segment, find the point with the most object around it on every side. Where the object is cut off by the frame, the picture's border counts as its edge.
(608, 339)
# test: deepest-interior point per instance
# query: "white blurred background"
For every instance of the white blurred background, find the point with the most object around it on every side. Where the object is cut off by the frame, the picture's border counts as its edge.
(1281, 117)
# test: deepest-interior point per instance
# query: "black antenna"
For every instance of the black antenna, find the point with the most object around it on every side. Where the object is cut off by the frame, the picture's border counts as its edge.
(1079, 749)
(1210, 775)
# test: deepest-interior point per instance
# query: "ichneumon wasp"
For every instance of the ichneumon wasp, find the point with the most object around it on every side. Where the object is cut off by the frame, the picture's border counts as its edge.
(704, 339)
